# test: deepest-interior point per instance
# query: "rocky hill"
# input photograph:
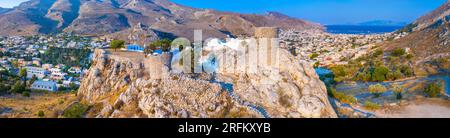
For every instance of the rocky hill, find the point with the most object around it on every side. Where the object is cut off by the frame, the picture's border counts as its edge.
(429, 36)
(441, 14)
(94, 17)
(127, 84)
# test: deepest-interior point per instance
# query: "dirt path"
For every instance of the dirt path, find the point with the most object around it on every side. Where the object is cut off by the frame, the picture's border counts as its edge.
(426, 108)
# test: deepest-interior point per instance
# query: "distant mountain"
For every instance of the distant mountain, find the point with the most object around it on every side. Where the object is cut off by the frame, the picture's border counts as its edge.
(3, 10)
(429, 36)
(117, 17)
(382, 23)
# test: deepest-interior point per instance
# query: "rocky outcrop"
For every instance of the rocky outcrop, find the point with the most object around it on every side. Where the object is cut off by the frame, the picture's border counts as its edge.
(139, 34)
(428, 38)
(64, 12)
(291, 90)
(121, 86)
(440, 14)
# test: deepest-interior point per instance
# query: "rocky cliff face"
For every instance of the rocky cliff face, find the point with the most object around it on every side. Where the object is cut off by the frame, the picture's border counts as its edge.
(436, 17)
(127, 85)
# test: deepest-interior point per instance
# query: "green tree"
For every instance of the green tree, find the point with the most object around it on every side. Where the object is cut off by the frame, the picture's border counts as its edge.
(293, 51)
(26, 94)
(342, 97)
(313, 56)
(339, 71)
(394, 75)
(378, 53)
(377, 89)
(165, 45)
(409, 56)
(397, 74)
(371, 106)
(363, 76)
(433, 89)
(151, 47)
(17, 87)
(4, 88)
(379, 74)
(398, 52)
(439, 61)
(406, 70)
(33, 79)
(3, 72)
(23, 75)
(15, 63)
(76, 110)
(398, 90)
(317, 64)
(73, 86)
(117, 44)
(67, 56)
(41, 114)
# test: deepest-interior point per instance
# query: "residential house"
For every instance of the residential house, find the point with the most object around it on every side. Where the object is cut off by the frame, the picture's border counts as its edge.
(55, 70)
(74, 70)
(44, 85)
(47, 66)
(40, 73)
(57, 74)
(36, 62)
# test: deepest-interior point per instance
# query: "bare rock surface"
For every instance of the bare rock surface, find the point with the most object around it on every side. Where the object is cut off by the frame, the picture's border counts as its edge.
(123, 84)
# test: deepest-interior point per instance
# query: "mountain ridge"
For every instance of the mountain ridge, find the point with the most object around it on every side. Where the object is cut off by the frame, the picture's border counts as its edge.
(3, 10)
(89, 17)
(382, 23)
(428, 37)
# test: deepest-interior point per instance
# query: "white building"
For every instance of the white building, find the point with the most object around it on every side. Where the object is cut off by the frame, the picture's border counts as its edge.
(35, 71)
(75, 70)
(44, 85)
(57, 76)
(47, 66)
(55, 71)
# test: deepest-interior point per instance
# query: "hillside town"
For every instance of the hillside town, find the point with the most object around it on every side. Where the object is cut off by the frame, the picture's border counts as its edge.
(47, 62)
(325, 49)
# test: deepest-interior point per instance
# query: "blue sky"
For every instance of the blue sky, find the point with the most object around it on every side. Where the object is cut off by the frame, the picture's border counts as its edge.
(322, 11)
(10, 3)
(327, 11)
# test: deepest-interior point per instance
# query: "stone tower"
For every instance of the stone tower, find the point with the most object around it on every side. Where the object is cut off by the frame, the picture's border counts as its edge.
(267, 46)
(266, 32)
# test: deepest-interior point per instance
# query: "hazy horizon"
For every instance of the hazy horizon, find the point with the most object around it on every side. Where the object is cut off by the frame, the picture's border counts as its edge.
(327, 12)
